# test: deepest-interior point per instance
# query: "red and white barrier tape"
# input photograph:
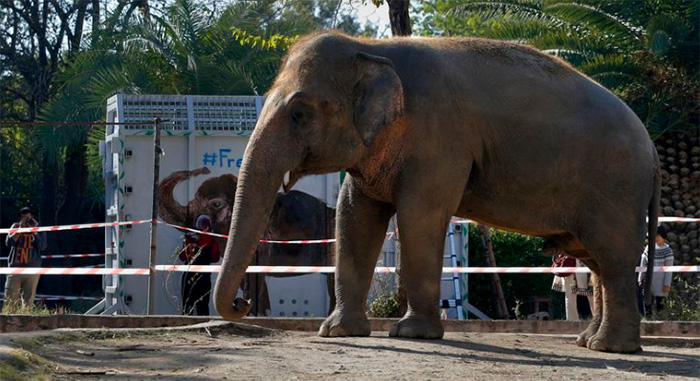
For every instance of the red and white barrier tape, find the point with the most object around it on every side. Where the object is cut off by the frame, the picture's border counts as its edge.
(292, 242)
(63, 256)
(64, 298)
(678, 219)
(328, 240)
(192, 230)
(61, 297)
(299, 241)
(70, 271)
(384, 270)
(661, 219)
(70, 227)
(309, 270)
(71, 256)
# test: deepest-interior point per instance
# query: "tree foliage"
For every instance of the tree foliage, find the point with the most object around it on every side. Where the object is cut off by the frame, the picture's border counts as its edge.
(510, 250)
(646, 53)
(63, 62)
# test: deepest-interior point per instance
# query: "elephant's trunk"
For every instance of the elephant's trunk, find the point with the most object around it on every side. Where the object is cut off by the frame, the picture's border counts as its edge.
(264, 165)
(169, 209)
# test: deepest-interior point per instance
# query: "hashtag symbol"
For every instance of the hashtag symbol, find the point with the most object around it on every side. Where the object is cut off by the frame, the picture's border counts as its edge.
(209, 159)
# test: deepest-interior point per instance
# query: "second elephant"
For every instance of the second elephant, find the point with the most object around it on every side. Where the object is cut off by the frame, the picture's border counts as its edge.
(296, 216)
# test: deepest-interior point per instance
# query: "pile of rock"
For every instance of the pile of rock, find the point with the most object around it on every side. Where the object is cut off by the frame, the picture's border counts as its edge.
(680, 194)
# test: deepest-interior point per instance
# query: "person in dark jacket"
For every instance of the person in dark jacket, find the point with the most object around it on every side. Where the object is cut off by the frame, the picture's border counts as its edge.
(198, 249)
(25, 251)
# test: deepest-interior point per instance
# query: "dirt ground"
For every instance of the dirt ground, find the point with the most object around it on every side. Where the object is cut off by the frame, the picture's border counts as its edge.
(219, 350)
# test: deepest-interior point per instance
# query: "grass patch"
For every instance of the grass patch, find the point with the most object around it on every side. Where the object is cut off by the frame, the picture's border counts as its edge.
(22, 365)
(39, 309)
(34, 343)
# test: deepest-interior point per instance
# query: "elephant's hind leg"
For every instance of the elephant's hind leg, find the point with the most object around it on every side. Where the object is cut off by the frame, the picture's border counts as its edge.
(616, 251)
(619, 328)
(361, 228)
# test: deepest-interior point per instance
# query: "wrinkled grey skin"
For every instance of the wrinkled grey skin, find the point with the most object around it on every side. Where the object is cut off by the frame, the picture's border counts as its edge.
(431, 128)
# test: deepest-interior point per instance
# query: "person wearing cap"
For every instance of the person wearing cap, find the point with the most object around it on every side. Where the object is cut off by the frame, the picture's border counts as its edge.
(660, 281)
(25, 251)
(198, 249)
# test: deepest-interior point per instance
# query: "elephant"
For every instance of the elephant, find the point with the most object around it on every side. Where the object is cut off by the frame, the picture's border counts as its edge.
(213, 198)
(430, 128)
(296, 215)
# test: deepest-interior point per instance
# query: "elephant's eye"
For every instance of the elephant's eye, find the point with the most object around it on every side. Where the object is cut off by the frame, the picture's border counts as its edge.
(297, 115)
(301, 113)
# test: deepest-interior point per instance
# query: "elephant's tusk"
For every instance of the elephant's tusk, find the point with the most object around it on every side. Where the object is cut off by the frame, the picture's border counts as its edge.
(286, 179)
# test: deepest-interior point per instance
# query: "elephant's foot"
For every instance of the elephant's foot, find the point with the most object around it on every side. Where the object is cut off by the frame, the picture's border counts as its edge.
(618, 340)
(582, 339)
(343, 323)
(417, 327)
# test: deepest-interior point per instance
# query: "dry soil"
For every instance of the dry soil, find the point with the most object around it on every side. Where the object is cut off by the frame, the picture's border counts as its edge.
(231, 351)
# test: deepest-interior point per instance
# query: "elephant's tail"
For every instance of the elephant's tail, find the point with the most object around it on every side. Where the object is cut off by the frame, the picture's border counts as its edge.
(653, 222)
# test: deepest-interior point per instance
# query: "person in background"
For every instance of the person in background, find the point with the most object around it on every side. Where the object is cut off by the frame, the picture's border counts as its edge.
(566, 283)
(584, 287)
(198, 249)
(660, 281)
(572, 285)
(25, 251)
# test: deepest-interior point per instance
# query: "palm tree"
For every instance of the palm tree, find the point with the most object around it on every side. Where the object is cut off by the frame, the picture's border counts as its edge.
(646, 52)
(182, 49)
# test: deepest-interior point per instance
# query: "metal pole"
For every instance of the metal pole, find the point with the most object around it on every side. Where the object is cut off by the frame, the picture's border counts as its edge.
(154, 215)
(461, 229)
(455, 277)
(0, 181)
(465, 263)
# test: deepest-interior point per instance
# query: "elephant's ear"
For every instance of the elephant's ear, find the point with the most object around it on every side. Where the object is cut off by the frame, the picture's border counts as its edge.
(378, 96)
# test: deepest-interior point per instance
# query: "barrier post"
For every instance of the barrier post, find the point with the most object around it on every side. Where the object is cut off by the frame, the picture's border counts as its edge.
(154, 215)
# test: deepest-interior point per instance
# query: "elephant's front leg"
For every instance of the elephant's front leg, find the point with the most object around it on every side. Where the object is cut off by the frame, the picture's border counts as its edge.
(422, 233)
(330, 286)
(360, 231)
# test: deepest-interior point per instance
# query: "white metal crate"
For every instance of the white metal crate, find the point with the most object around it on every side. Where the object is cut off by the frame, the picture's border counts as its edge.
(201, 114)
(195, 128)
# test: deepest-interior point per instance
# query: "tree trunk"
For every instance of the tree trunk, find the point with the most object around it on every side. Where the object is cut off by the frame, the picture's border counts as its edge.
(49, 200)
(75, 175)
(399, 18)
(490, 259)
(96, 21)
(400, 26)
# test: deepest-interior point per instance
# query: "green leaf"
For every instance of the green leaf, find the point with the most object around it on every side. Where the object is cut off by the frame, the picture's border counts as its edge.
(660, 42)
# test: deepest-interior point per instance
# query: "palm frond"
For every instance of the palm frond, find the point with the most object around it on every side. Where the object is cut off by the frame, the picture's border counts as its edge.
(520, 30)
(610, 62)
(595, 19)
(664, 32)
(498, 8)
(575, 40)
